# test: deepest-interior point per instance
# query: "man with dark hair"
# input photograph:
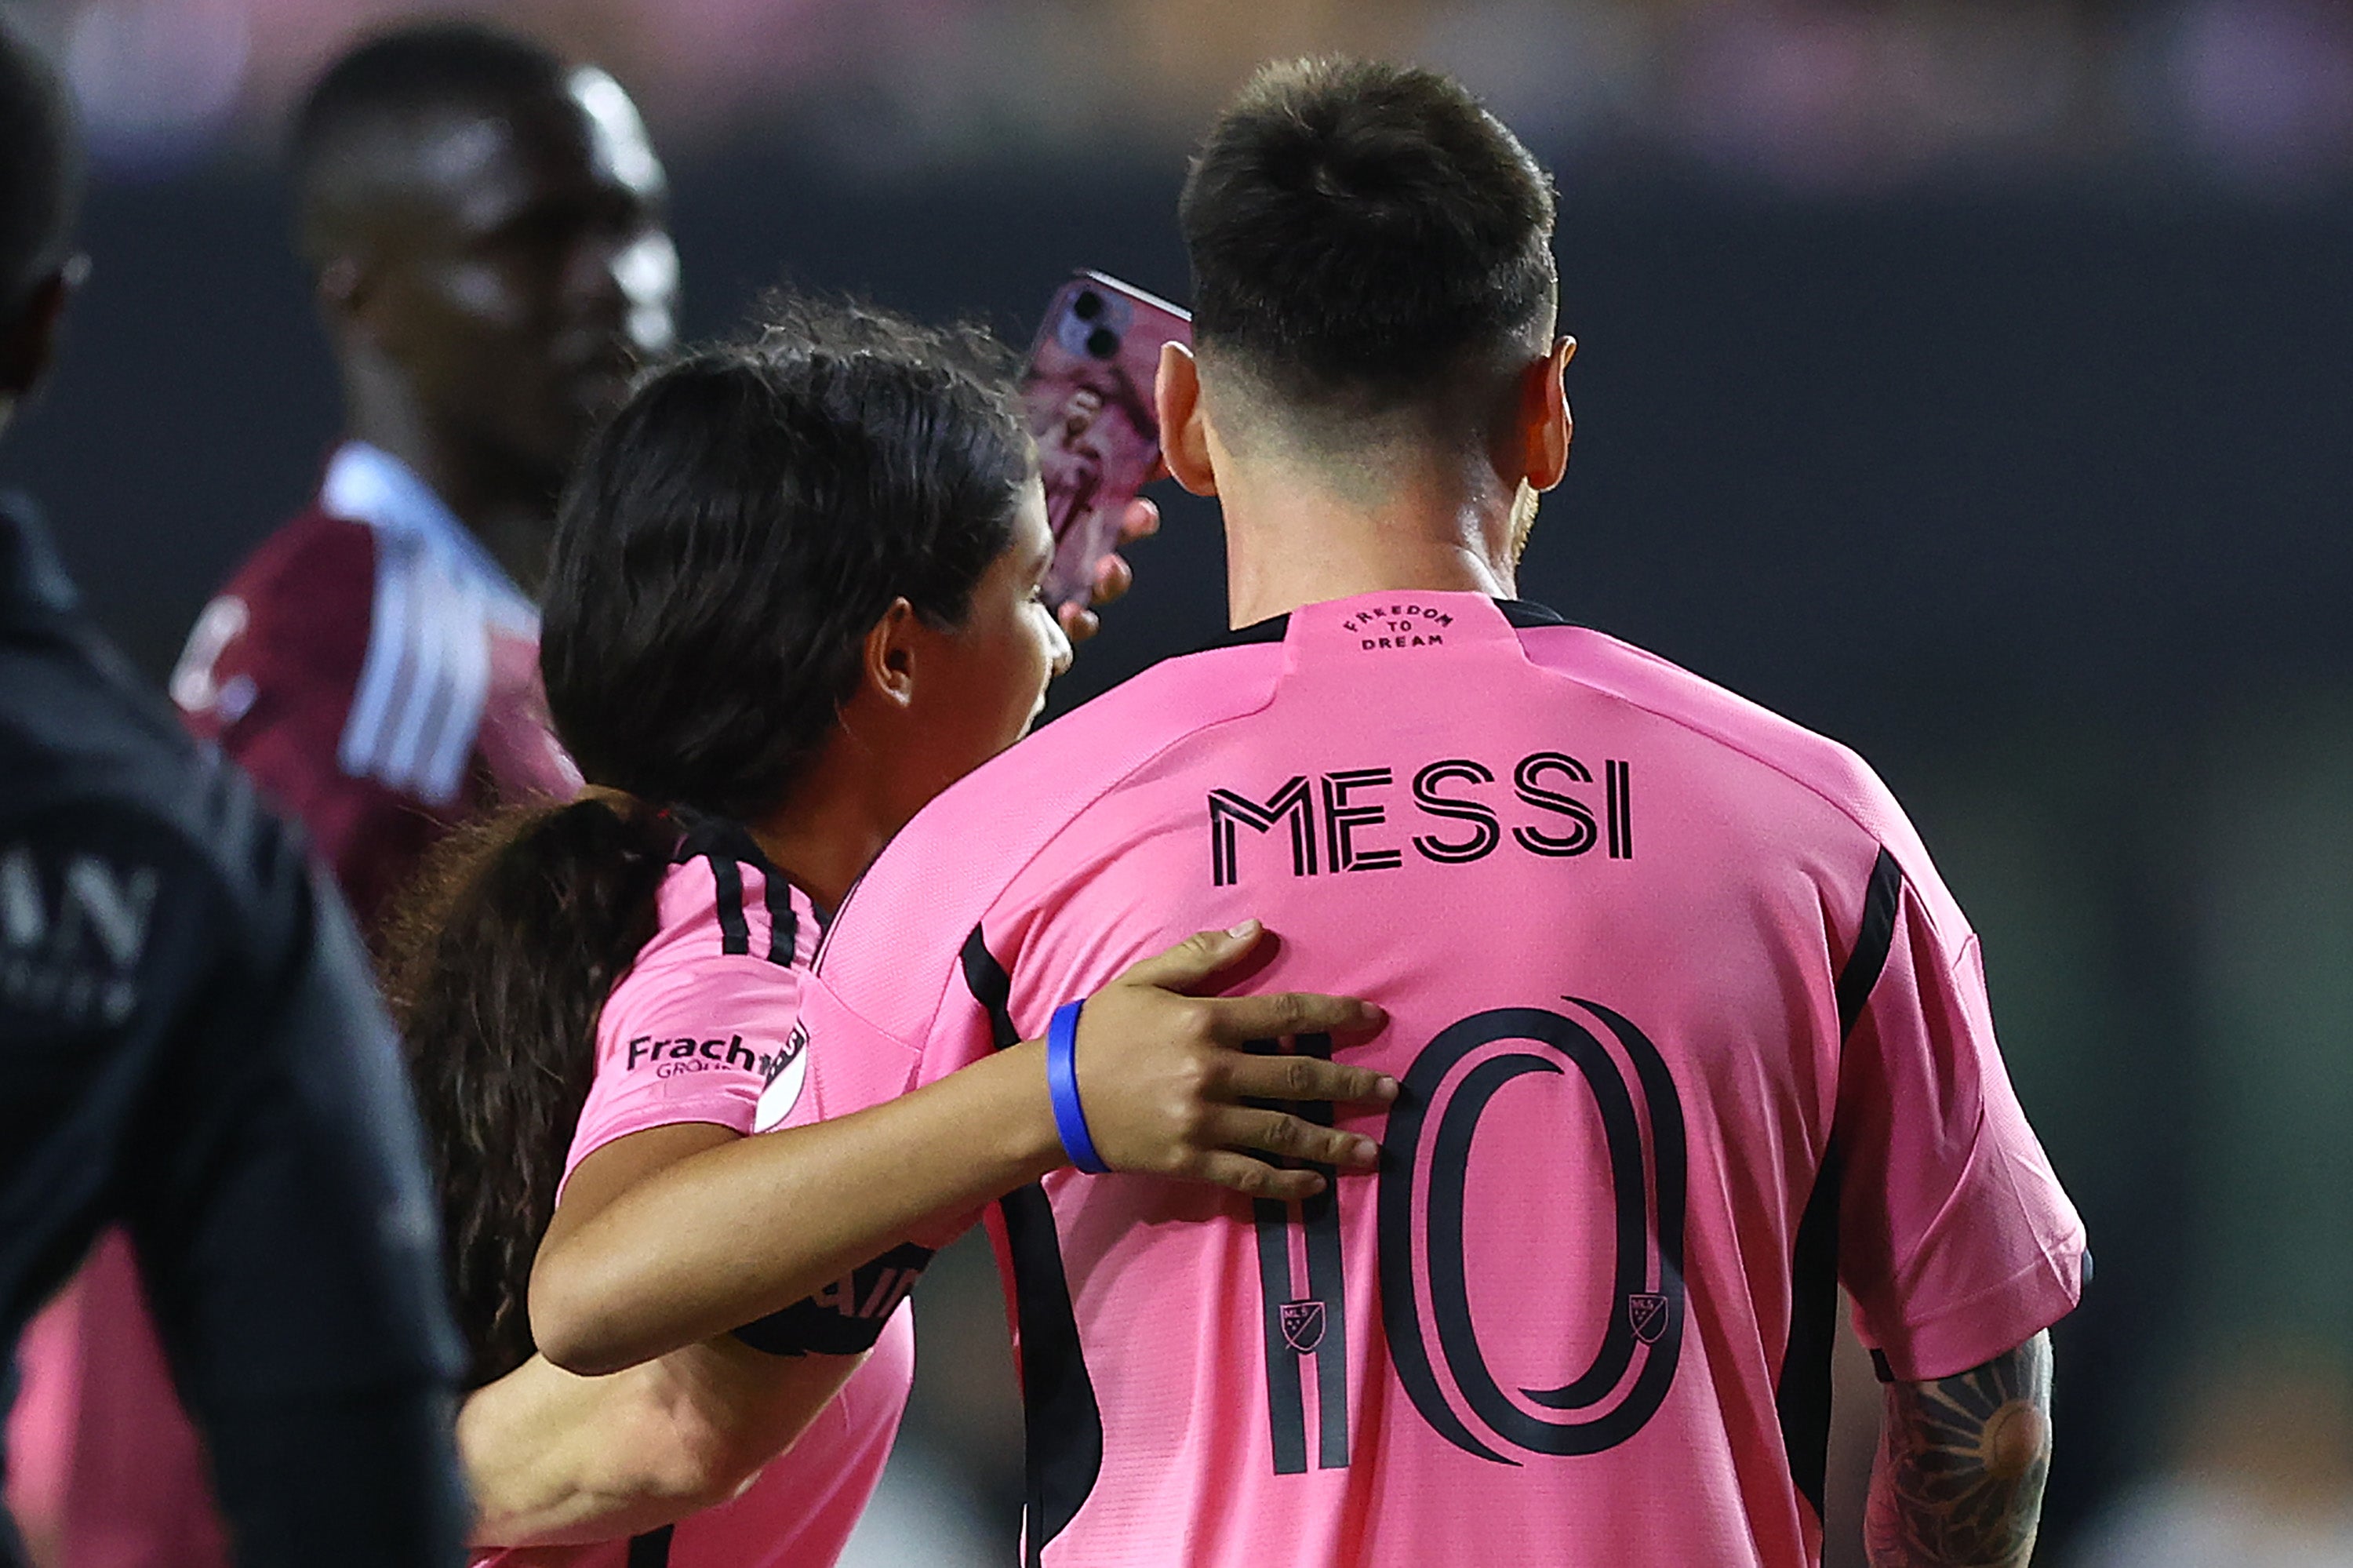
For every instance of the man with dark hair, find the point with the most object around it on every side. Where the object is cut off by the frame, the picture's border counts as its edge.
(192, 1046)
(484, 225)
(1689, 1030)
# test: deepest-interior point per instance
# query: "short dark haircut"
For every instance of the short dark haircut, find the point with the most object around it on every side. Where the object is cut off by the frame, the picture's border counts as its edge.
(393, 82)
(40, 169)
(1362, 233)
(736, 529)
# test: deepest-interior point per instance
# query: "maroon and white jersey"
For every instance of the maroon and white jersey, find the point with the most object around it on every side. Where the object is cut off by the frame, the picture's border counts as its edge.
(1689, 1031)
(377, 674)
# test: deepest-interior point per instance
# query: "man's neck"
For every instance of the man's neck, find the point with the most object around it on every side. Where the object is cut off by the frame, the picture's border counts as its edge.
(1290, 543)
(511, 514)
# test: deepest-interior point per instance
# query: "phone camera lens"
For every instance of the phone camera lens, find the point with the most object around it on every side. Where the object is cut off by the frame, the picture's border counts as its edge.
(1088, 306)
(1104, 342)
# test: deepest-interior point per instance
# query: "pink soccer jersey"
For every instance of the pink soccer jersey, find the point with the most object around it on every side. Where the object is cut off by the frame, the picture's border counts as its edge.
(701, 1023)
(1690, 1032)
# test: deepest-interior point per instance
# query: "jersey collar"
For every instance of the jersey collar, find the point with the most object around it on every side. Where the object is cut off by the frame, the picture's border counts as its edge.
(367, 484)
(1520, 612)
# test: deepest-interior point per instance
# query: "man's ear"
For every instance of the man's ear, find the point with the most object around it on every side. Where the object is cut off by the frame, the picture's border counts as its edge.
(1184, 428)
(344, 290)
(1546, 425)
(30, 342)
(887, 672)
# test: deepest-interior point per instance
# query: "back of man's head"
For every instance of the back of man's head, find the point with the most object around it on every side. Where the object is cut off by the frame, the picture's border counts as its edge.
(40, 172)
(1364, 237)
(359, 130)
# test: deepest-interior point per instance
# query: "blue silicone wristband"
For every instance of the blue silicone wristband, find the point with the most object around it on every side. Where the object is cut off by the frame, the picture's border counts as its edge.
(1062, 1088)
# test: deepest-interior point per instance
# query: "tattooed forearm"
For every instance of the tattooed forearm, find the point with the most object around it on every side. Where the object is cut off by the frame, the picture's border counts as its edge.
(1961, 1465)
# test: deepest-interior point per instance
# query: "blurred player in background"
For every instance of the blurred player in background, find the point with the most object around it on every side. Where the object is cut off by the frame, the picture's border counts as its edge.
(484, 225)
(1689, 1030)
(796, 592)
(191, 1044)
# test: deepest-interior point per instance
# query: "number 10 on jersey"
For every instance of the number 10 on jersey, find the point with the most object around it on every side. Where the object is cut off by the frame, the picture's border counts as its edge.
(1423, 1193)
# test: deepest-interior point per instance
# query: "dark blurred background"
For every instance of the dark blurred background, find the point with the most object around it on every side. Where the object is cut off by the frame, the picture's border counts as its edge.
(1971, 380)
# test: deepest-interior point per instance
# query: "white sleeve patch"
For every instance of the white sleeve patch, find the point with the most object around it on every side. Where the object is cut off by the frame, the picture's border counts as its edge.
(785, 1081)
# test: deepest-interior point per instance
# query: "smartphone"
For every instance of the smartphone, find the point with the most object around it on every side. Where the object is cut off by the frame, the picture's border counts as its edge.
(1087, 395)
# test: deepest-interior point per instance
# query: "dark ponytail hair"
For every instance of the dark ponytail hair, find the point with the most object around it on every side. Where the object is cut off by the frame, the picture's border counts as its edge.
(497, 964)
(729, 539)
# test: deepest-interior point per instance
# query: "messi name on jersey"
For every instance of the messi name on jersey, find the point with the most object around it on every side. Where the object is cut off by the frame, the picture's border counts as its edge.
(1367, 819)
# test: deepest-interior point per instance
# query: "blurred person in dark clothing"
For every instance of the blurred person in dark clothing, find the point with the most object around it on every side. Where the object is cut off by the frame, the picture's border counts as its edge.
(483, 223)
(190, 1040)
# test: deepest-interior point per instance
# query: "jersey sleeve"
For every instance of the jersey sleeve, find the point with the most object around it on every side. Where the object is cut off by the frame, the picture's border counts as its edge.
(277, 1198)
(1956, 1241)
(696, 1043)
(840, 1062)
(715, 1040)
(271, 673)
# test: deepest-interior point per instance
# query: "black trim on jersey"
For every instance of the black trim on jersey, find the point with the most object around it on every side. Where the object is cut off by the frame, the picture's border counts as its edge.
(991, 986)
(651, 1550)
(1061, 1421)
(729, 846)
(727, 878)
(1521, 612)
(847, 1318)
(1524, 613)
(784, 925)
(1872, 941)
(1803, 1395)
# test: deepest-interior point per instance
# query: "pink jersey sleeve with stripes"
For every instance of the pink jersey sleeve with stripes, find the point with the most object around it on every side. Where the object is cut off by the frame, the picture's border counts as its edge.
(1689, 1031)
(704, 1023)
(694, 1031)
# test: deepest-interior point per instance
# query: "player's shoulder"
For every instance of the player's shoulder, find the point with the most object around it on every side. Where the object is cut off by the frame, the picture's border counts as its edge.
(1019, 802)
(126, 813)
(1104, 740)
(720, 981)
(1756, 743)
(946, 868)
(726, 918)
(313, 556)
(298, 611)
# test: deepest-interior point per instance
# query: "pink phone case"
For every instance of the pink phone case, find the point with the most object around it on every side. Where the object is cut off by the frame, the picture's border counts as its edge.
(1087, 394)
